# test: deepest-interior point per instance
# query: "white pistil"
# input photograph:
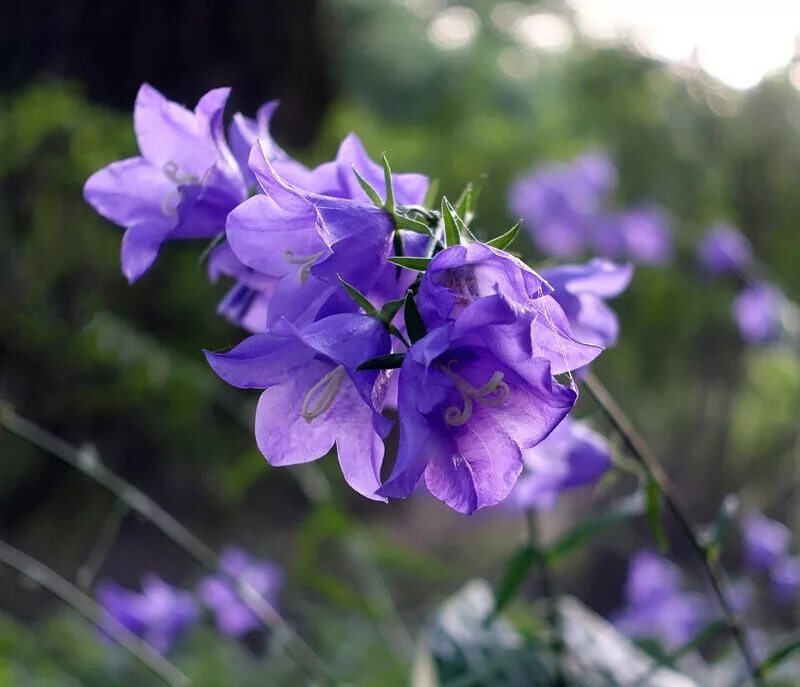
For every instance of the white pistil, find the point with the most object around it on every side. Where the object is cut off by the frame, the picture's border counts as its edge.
(305, 260)
(169, 205)
(492, 394)
(321, 396)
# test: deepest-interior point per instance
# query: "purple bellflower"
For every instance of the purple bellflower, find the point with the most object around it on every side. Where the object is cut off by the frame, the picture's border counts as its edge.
(313, 395)
(572, 456)
(641, 235)
(656, 606)
(765, 541)
(758, 313)
(559, 203)
(478, 388)
(159, 614)
(724, 250)
(232, 616)
(581, 291)
(181, 186)
(784, 578)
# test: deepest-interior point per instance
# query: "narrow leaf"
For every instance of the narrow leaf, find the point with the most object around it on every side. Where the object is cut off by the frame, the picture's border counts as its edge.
(359, 298)
(451, 233)
(387, 176)
(371, 192)
(625, 509)
(431, 194)
(390, 309)
(403, 221)
(655, 512)
(515, 574)
(778, 656)
(464, 206)
(416, 264)
(705, 635)
(505, 240)
(414, 324)
(390, 361)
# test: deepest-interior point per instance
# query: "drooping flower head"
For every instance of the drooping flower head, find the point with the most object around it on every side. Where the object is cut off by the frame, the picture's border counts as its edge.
(159, 614)
(724, 250)
(758, 313)
(572, 456)
(640, 235)
(478, 388)
(581, 290)
(314, 397)
(656, 606)
(765, 541)
(784, 577)
(231, 614)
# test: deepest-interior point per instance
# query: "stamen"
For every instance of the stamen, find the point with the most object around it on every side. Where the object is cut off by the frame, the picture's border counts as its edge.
(169, 204)
(306, 261)
(462, 281)
(491, 395)
(321, 396)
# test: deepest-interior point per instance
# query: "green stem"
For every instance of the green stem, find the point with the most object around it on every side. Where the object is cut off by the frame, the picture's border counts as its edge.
(640, 450)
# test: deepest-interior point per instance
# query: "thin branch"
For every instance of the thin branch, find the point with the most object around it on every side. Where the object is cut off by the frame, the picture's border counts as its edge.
(640, 450)
(102, 545)
(93, 612)
(87, 461)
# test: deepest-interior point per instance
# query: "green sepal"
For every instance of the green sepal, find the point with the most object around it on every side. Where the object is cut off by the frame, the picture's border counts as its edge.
(431, 194)
(387, 176)
(414, 324)
(390, 361)
(452, 233)
(416, 264)
(390, 309)
(505, 240)
(371, 192)
(359, 298)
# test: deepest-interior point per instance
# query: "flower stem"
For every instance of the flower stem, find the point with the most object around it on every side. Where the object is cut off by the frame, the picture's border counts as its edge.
(640, 450)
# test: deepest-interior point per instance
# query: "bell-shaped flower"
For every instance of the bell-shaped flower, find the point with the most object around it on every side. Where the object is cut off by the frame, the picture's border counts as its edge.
(232, 615)
(656, 605)
(473, 396)
(581, 291)
(145, 194)
(314, 397)
(572, 456)
(765, 541)
(159, 614)
(758, 313)
(784, 577)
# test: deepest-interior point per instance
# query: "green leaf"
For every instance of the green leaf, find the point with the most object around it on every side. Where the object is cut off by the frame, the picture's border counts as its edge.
(515, 574)
(390, 309)
(403, 221)
(416, 264)
(715, 535)
(624, 509)
(387, 176)
(451, 232)
(655, 513)
(359, 298)
(464, 204)
(390, 361)
(431, 194)
(414, 324)
(371, 192)
(778, 656)
(505, 240)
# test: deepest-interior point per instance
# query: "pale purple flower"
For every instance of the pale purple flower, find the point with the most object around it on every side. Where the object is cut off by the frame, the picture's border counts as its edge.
(170, 190)
(784, 577)
(559, 203)
(640, 235)
(765, 541)
(581, 290)
(231, 614)
(656, 606)
(159, 614)
(724, 250)
(572, 456)
(313, 395)
(757, 311)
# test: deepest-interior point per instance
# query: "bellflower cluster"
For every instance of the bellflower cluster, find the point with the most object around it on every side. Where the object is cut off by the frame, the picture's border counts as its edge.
(573, 456)
(724, 250)
(766, 545)
(323, 266)
(159, 614)
(656, 604)
(566, 208)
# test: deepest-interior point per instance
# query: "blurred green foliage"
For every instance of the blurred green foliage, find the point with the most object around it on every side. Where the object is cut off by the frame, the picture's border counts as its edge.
(94, 359)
